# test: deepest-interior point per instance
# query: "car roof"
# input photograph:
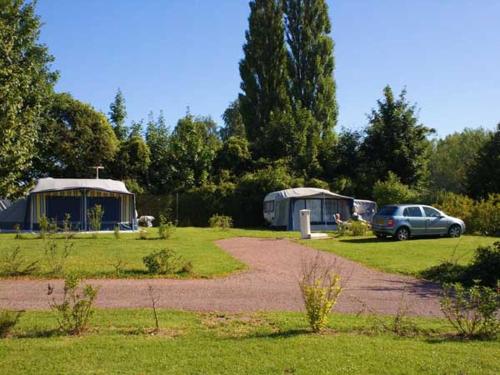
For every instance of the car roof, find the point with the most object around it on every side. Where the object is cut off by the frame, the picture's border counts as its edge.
(407, 205)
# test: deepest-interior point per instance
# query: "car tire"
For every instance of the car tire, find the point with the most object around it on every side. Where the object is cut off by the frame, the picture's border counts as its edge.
(402, 234)
(455, 231)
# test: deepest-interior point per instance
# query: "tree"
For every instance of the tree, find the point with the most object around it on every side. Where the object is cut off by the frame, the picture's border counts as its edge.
(26, 83)
(452, 158)
(484, 173)
(76, 138)
(158, 141)
(395, 142)
(311, 62)
(132, 160)
(117, 115)
(193, 147)
(233, 122)
(392, 191)
(265, 104)
(234, 155)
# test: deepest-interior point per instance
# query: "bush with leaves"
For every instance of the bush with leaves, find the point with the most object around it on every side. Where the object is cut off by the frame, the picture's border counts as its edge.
(76, 308)
(43, 223)
(166, 228)
(485, 266)
(456, 205)
(143, 234)
(472, 311)
(8, 320)
(95, 215)
(13, 264)
(320, 287)
(166, 262)
(221, 222)
(392, 191)
(486, 216)
(56, 257)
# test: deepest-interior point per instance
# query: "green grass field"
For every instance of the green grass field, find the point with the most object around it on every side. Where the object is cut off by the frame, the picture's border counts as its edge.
(406, 257)
(95, 257)
(274, 343)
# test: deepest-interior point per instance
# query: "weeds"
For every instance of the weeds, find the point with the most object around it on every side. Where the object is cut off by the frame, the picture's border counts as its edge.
(8, 320)
(165, 262)
(166, 228)
(14, 264)
(56, 257)
(95, 215)
(155, 298)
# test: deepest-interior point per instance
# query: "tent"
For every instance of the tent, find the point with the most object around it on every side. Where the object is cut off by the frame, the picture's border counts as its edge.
(365, 209)
(55, 198)
(282, 208)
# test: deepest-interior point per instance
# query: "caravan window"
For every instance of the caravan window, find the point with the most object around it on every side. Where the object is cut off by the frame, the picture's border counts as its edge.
(269, 206)
(315, 206)
(331, 208)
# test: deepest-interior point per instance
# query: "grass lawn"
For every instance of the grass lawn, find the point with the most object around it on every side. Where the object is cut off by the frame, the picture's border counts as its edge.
(406, 257)
(95, 257)
(273, 343)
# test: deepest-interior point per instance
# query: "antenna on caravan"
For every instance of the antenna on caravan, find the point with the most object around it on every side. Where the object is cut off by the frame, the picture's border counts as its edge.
(97, 168)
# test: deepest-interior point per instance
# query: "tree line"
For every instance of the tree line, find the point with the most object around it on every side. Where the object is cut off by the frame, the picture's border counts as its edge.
(280, 131)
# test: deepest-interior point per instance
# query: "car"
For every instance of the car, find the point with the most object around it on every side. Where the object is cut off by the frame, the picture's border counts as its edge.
(402, 221)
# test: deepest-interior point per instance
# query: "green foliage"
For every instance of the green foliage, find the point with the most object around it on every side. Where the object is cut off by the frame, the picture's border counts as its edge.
(452, 158)
(166, 262)
(117, 115)
(221, 222)
(26, 82)
(166, 228)
(95, 215)
(76, 137)
(486, 216)
(484, 173)
(56, 257)
(234, 155)
(456, 205)
(8, 320)
(143, 234)
(233, 122)
(17, 228)
(76, 308)
(392, 191)
(320, 287)
(395, 142)
(132, 160)
(158, 141)
(13, 263)
(265, 104)
(472, 311)
(358, 228)
(116, 232)
(44, 226)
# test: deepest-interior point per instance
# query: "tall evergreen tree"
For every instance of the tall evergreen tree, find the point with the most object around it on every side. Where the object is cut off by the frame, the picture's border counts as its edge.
(311, 61)
(158, 138)
(117, 115)
(233, 122)
(26, 83)
(395, 142)
(265, 104)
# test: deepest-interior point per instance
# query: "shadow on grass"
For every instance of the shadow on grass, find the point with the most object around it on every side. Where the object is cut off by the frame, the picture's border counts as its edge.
(281, 334)
(365, 240)
(38, 333)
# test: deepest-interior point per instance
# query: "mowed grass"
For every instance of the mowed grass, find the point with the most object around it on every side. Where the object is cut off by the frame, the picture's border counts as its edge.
(96, 257)
(274, 343)
(406, 257)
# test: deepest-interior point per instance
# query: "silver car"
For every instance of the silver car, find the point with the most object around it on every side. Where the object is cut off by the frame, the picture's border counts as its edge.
(403, 221)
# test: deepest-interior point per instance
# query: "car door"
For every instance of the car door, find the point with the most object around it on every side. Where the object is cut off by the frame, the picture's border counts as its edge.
(416, 219)
(436, 223)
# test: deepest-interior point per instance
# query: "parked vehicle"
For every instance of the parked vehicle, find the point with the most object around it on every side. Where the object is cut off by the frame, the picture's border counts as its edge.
(403, 221)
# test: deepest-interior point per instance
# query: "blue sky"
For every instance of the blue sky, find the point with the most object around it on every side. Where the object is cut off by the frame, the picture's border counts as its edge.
(171, 54)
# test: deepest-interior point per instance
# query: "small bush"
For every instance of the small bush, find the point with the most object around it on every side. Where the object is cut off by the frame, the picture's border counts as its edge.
(119, 265)
(8, 320)
(76, 308)
(221, 222)
(166, 228)
(486, 216)
(116, 232)
(95, 215)
(14, 264)
(166, 262)
(56, 257)
(320, 287)
(472, 311)
(446, 272)
(19, 235)
(359, 228)
(485, 266)
(143, 234)
(44, 227)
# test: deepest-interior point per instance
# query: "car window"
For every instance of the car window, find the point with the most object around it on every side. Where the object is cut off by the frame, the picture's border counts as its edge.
(412, 212)
(431, 212)
(387, 211)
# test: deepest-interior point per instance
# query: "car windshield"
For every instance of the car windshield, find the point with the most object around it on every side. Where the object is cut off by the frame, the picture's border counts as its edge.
(387, 211)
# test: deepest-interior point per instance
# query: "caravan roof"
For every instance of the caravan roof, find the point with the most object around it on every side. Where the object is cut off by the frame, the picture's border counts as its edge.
(59, 184)
(302, 192)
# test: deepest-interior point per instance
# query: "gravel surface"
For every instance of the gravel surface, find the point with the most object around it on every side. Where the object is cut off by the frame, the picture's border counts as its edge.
(270, 284)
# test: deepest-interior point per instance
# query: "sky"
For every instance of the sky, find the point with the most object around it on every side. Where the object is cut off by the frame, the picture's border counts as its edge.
(168, 55)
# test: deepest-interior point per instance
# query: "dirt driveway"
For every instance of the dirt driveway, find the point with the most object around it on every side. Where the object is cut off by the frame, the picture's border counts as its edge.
(270, 284)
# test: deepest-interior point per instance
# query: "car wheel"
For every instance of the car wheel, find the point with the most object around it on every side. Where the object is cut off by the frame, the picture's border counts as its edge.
(402, 234)
(455, 231)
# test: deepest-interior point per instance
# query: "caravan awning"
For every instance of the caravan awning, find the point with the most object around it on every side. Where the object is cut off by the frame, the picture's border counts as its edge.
(303, 192)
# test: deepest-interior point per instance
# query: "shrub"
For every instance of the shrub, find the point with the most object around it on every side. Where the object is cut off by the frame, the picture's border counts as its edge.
(95, 215)
(456, 205)
(56, 257)
(166, 262)
(392, 190)
(17, 228)
(67, 223)
(116, 232)
(359, 228)
(221, 222)
(119, 265)
(14, 264)
(44, 226)
(143, 234)
(446, 272)
(485, 266)
(320, 287)
(471, 311)
(166, 228)
(8, 320)
(486, 216)
(76, 308)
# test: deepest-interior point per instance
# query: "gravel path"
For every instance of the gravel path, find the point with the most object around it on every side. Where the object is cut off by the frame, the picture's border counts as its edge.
(270, 284)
